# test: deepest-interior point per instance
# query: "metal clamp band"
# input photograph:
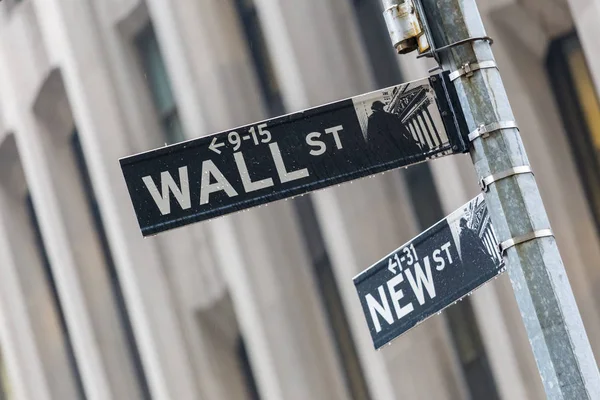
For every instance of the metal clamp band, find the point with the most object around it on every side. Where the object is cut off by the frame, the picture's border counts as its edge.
(504, 246)
(485, 183)
(484, 130)
(431, 53)
(468, 69)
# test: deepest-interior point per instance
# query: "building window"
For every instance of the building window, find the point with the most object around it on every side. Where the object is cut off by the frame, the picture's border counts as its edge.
(155, 73)
(54, 291)
(427, 206)
(580, 111)
(260, 56)
(112, 271)
(323, 272)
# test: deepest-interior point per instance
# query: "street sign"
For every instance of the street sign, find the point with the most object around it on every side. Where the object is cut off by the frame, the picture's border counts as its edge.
(293, 154)
(431, 272)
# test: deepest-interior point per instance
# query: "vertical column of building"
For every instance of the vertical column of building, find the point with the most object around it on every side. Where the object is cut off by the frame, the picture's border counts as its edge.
(555, 166)
(498, 317)
(318, 57)
(583, 68)
(452, 177)
(55, 230)
(23, 361)
(586, 14)
(260, 251)
(73, 249)
(188, 267)
(578, 99)
(34, 349)
(505, 344)
(71, 34)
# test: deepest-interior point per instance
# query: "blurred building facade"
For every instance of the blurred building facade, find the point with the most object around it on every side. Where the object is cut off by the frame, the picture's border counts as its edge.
(259, 305)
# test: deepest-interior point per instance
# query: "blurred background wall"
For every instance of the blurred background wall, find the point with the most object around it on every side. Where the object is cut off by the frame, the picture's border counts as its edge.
(259, 305)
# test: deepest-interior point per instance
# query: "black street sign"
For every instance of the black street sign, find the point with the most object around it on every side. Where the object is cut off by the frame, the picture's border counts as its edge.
(293, 154)
(431, 272)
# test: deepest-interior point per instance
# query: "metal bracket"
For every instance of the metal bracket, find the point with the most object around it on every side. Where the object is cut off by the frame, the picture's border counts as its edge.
(485, 183)
(484, 130)
(431, 53)
(469, 68)
(507, 244)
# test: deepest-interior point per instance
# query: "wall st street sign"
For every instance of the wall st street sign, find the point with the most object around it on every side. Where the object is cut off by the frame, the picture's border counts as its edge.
(431, 272)
(293, 154)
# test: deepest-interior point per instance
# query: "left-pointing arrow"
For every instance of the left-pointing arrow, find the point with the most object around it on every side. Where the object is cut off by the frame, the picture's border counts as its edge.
(214, 146)
(392, 266)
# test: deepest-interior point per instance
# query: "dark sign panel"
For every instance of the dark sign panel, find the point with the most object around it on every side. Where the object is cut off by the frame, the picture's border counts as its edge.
(434, 270)
(293, 154)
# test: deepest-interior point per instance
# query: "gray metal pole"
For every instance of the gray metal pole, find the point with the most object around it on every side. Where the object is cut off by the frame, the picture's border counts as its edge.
(555, 329)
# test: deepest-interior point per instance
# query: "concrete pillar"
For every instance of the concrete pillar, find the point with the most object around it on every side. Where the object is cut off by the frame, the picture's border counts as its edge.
(498, 317)
(71, 33)
(505, 341)
(260, 252)
(73, 247)
(548, 149)
(456, 184)
(189, 270)
(318, 57)
(33, 345)
(586, 14)
(277, 305)
(69, 235)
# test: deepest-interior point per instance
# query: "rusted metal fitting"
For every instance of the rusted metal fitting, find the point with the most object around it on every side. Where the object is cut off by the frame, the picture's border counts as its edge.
(404, 26)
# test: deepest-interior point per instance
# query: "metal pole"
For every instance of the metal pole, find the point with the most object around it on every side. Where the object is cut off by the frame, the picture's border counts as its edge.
(551, 317)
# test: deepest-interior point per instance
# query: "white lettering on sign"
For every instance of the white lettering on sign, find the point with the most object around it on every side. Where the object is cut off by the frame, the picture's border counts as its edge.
(168, 185)
(446, 248)
(311, 141)
(210, 172)
(423, 279)
(206, 188)
(335, 132)
(318, 146)
(284, 174)
(439, 260)
(236, 140)
(249, 186)
(214, 146)
(382, 308)
(397, 295)
(419, 280)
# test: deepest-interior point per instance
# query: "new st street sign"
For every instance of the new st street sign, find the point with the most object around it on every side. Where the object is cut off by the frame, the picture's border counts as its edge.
(294, 154)
(434, 270)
